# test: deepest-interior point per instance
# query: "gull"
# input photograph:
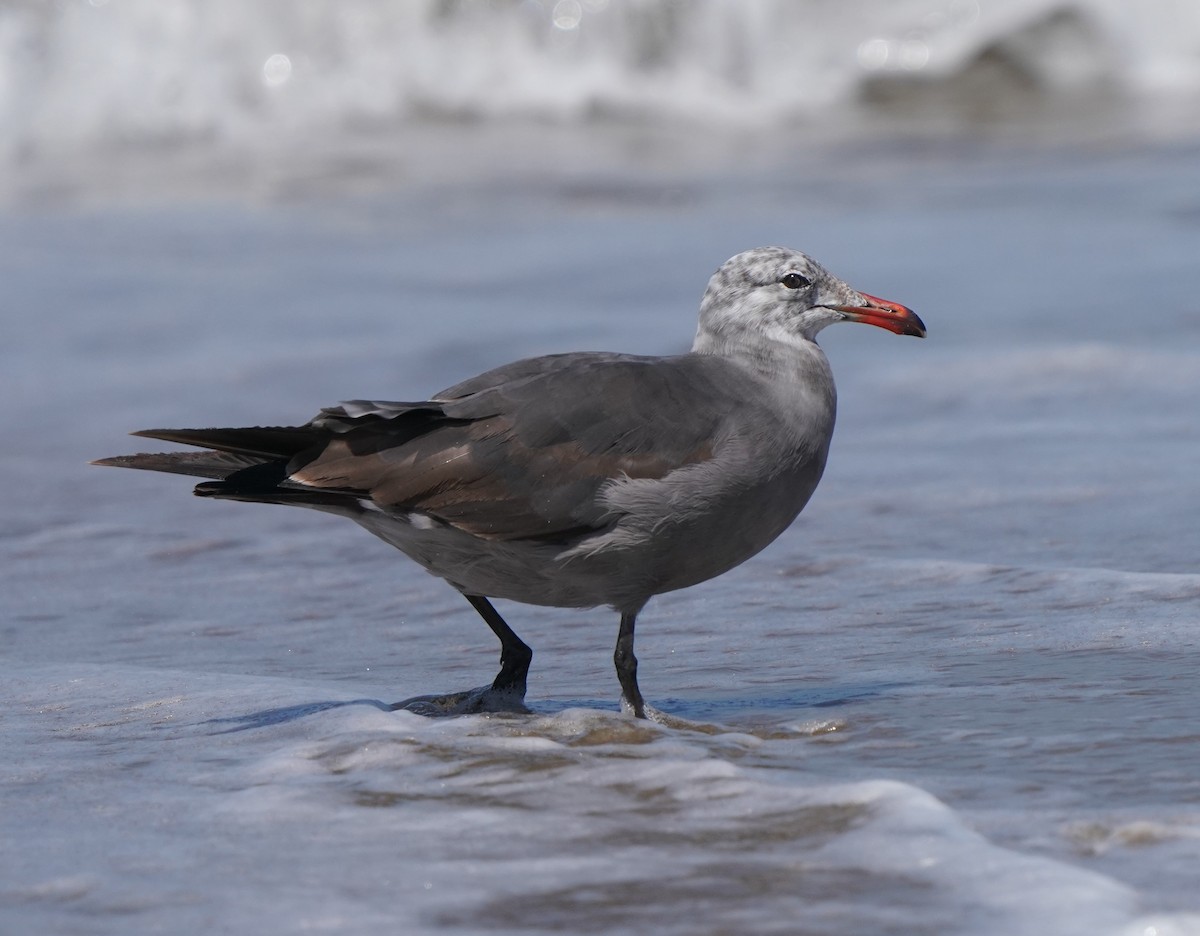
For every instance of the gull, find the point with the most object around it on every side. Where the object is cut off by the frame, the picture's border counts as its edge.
(580, 479)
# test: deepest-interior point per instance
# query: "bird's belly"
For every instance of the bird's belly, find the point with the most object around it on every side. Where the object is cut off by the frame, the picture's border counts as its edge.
(643, 555)
(697, 550)
(695, 537)
(529, 572)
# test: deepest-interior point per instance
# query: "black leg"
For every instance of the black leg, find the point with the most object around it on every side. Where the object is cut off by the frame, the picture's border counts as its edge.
(507, 691)
(515, 654)
(626, 664)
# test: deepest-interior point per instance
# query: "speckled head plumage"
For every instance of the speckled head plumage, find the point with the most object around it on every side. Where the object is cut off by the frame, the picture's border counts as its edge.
(776, 293)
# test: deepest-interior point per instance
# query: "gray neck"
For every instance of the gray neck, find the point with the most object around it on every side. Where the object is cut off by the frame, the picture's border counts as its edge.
(784, 357)
(794, 369)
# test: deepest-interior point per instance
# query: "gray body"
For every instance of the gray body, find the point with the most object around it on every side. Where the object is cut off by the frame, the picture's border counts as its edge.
(569, 510)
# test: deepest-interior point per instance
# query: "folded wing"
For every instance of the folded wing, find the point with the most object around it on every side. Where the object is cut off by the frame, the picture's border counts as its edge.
(518, 453)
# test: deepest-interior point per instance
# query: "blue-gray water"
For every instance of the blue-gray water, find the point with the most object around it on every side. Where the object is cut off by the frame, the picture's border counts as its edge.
(959, 695)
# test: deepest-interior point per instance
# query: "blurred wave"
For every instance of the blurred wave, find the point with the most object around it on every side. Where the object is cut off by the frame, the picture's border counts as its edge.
(87, 77)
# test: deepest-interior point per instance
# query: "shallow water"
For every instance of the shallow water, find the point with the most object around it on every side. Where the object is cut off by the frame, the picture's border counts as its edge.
(958, 695)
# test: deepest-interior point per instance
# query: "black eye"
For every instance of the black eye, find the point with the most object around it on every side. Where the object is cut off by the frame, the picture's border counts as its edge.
(795, 281)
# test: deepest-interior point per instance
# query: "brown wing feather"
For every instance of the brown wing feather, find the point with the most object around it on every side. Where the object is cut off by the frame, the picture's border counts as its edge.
(483, 479)
(527, 459)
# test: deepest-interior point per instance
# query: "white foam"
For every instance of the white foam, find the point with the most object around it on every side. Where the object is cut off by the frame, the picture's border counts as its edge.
(475, 818)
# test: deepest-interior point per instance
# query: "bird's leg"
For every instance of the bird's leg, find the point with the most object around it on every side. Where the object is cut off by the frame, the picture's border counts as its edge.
(626, 663)
(515, 655)
(507, 691)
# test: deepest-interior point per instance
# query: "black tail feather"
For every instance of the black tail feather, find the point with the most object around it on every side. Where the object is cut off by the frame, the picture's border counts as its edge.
(336, 501)
(257, 441)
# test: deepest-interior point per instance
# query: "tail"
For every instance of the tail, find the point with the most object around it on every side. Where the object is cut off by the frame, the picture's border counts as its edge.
(229, 450)
(256, 463)
(249, 464)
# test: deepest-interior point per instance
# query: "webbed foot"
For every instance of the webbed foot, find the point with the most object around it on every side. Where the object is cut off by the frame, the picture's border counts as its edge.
(469, 702)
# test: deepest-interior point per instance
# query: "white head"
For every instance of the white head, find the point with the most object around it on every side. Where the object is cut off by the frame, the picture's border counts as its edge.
(779, 294)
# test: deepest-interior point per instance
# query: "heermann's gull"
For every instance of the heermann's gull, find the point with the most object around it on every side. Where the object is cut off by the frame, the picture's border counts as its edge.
(575, 480)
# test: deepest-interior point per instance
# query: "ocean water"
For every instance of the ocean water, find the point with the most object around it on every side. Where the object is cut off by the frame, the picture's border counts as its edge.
(959, 695)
